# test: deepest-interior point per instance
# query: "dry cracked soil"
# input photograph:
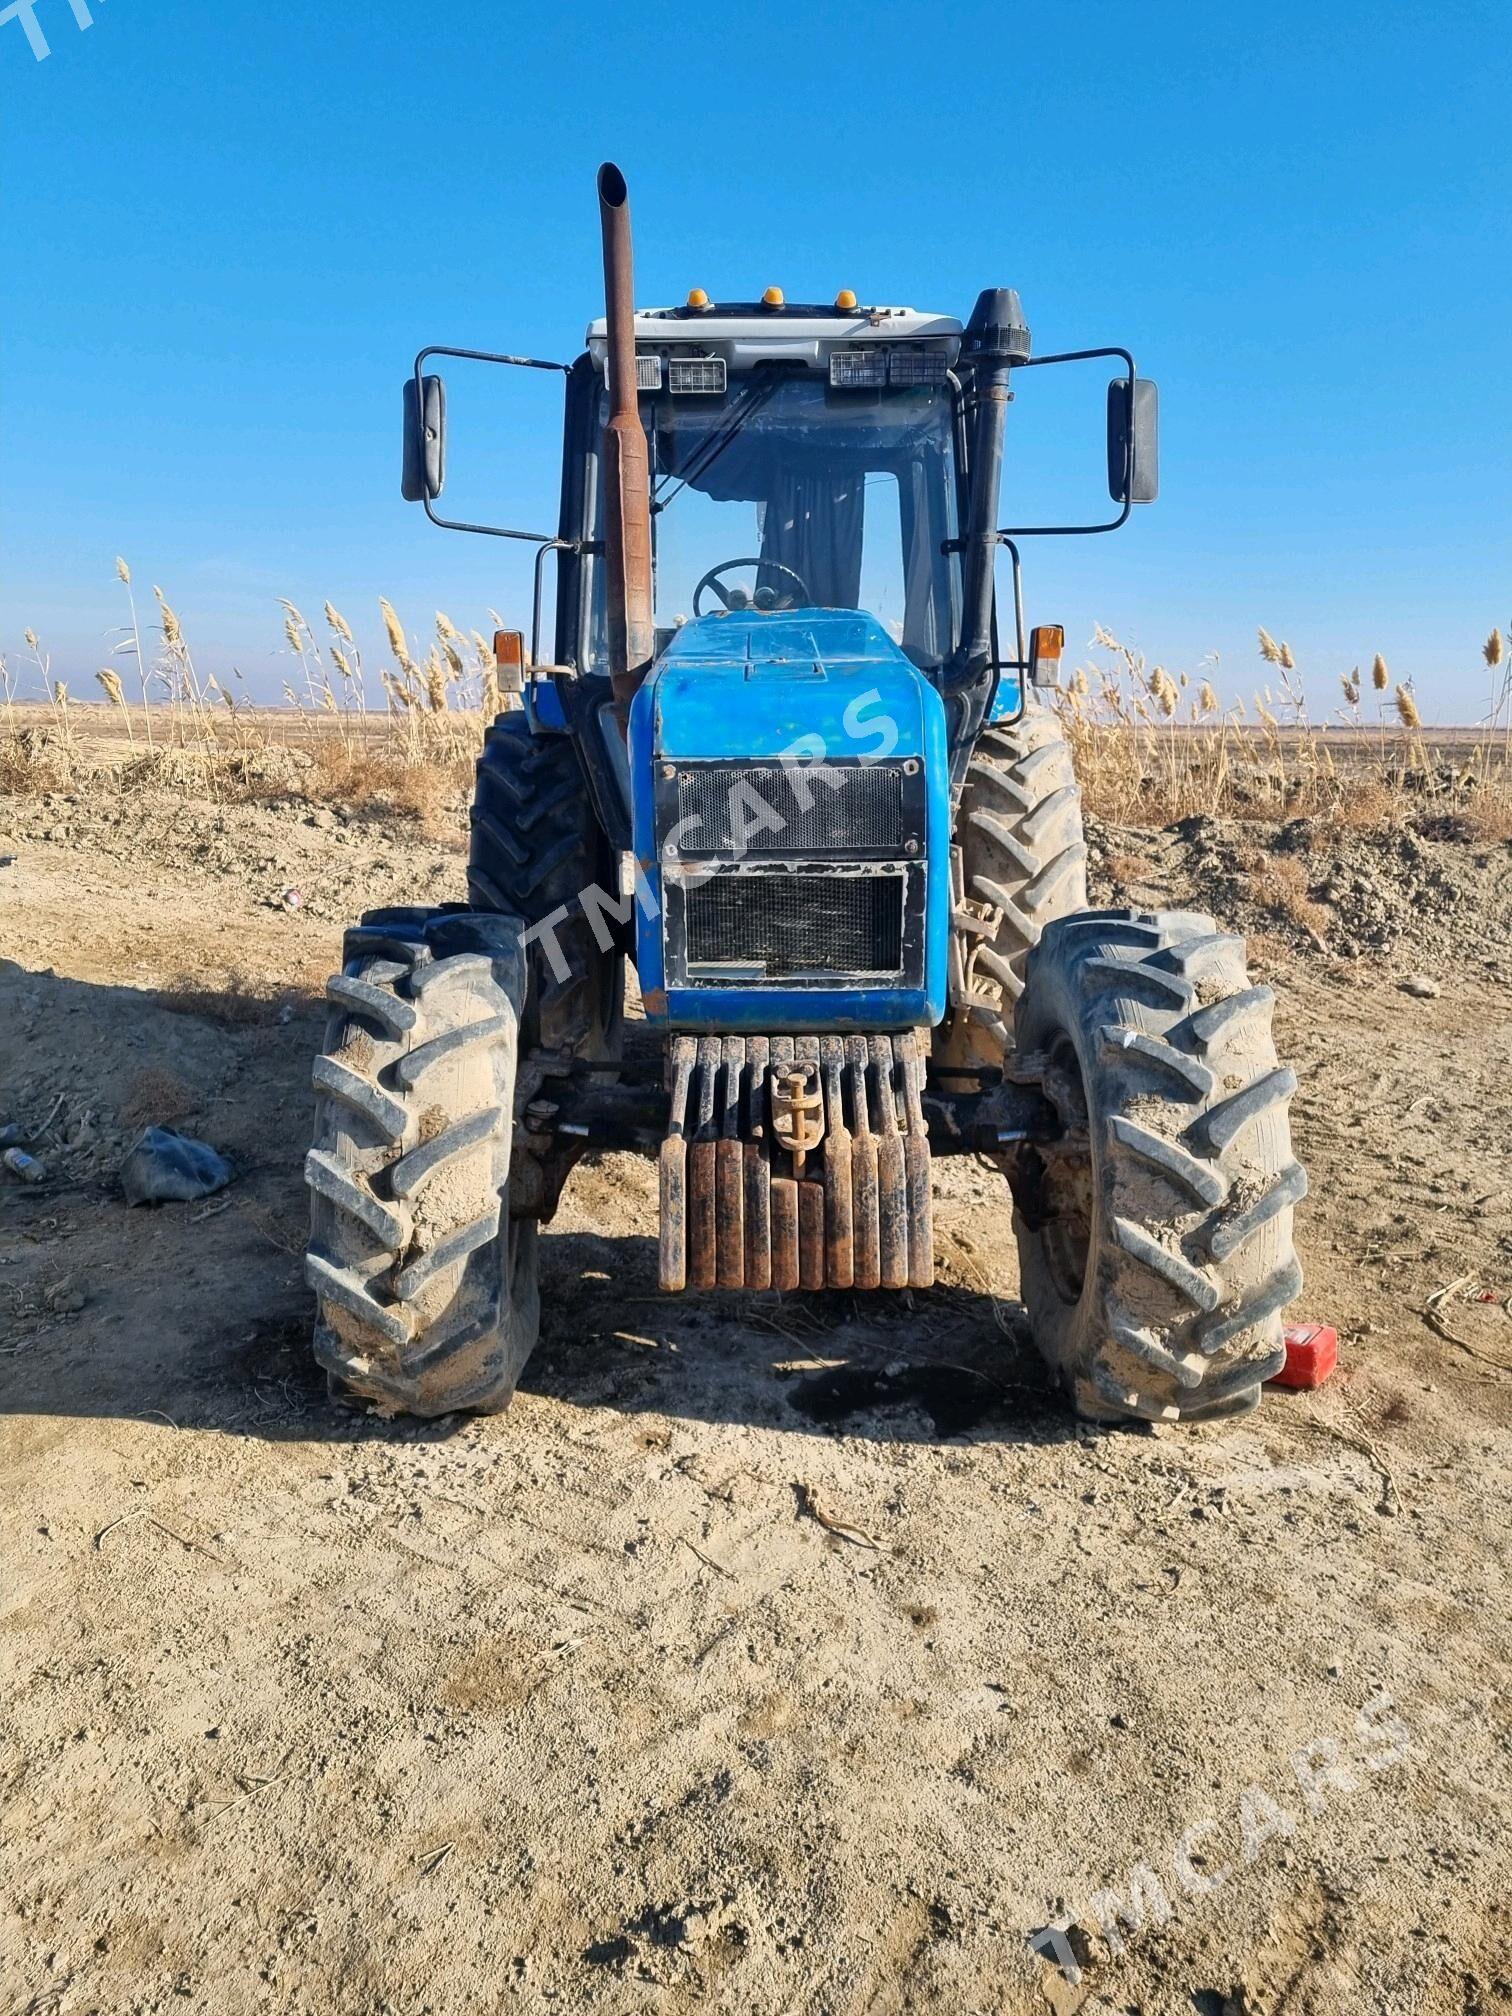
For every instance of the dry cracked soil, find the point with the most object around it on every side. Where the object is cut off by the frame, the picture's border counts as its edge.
(798, 1656)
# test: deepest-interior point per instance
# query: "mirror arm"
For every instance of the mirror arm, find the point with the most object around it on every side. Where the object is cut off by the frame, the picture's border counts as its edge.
(488, 531)
(481, 357)
(1011, 532)
(493, 357)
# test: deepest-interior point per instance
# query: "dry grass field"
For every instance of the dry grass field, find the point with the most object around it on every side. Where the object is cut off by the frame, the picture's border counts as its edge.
(1150, 746)
(766, 1656)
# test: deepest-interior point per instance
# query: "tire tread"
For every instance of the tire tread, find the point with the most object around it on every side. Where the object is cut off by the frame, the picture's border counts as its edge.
(1192, 1258)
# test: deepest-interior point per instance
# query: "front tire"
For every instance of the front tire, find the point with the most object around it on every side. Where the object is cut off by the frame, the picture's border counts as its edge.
(427, 1291)
(1155, 1239)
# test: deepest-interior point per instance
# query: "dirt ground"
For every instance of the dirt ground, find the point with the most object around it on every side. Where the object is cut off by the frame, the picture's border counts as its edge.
(797, 1656)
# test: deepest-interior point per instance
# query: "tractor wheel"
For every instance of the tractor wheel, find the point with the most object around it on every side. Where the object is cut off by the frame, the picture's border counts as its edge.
(427, 1291)
(536, 846)
(1023, 862)
(1155, 1239)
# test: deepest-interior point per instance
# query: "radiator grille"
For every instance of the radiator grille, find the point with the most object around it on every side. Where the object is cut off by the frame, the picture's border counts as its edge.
(776, 926)
(765, 808)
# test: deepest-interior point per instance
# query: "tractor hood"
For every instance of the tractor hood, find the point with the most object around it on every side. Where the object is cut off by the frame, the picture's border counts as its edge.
(753, 683)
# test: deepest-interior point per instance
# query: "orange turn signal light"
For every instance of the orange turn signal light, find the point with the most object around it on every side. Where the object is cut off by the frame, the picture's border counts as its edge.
(773, 298)
(697, 298)
(845, 301)
(509, 657)
(1047, 641)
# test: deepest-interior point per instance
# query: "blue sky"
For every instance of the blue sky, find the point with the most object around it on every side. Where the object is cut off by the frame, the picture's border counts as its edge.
(225, 229)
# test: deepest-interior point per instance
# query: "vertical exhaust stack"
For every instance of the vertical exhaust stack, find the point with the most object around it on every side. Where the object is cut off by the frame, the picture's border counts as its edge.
(627, 474)
(996, 338)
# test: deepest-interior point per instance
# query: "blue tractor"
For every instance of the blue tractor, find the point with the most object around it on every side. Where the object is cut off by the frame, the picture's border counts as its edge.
(782, 760)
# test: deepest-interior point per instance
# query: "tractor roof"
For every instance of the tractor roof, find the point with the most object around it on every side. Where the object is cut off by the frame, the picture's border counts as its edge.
(748, 332)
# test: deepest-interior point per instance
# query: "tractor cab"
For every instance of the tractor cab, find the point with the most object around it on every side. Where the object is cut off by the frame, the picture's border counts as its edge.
(799, 458)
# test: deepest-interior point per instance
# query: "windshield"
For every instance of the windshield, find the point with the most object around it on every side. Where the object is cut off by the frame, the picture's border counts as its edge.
(830, 499)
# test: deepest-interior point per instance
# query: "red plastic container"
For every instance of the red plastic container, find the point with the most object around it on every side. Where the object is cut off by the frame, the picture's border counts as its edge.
(1312, 1351)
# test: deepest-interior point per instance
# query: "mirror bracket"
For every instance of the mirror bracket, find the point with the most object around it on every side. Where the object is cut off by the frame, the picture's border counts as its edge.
(425, 408)
(1135, 396)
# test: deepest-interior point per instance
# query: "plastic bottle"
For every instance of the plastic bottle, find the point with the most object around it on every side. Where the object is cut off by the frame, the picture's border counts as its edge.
(27, 1167)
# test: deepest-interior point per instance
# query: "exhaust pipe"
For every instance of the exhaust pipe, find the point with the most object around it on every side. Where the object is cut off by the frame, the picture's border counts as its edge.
(627, 472)
(996, 338)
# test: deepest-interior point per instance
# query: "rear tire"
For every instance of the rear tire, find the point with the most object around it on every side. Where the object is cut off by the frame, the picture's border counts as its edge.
(536, 846)
(1156, 1260)
(1024, 860)
(428, 1299)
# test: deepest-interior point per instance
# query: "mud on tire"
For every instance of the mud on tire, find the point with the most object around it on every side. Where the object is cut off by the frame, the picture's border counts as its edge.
(427, 1291)
(1155, 1243)
(536, 846)
(1019, 830)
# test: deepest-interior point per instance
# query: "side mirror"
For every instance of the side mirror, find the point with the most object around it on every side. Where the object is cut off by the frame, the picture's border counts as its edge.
(424, 440)
(1133, 441)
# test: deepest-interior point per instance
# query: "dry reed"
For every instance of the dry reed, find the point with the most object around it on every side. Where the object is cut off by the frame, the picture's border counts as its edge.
(402, 739)
(1144, 757)
(1150, 746)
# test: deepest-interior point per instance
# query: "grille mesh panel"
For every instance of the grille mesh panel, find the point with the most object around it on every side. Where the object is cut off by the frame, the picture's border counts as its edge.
(794, 924)
(850, 809)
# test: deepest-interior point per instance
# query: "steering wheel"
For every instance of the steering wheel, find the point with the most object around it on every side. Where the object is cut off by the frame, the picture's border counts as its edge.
(764, 598)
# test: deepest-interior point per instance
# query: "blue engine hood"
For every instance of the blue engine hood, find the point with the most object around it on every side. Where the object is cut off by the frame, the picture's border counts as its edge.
(751, 684)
